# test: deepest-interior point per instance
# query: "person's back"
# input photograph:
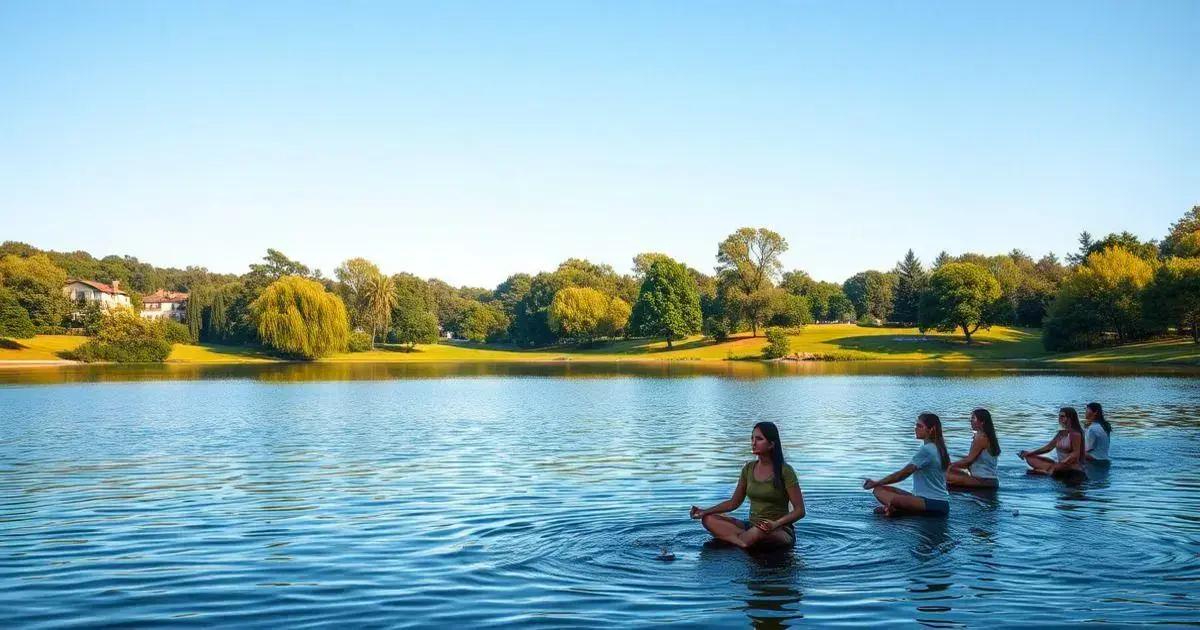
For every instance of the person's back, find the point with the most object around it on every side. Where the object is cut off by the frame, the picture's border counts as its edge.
(1096, 440)
(984, 466)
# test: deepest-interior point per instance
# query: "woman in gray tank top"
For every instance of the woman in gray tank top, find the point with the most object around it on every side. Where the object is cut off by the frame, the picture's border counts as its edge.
(978, 468)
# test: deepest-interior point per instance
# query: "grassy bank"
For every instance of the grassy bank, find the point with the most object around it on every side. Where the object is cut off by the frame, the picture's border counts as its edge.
(824, 341)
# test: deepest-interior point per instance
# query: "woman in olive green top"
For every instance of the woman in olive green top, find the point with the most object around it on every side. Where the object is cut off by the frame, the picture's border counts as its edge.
(771, 484)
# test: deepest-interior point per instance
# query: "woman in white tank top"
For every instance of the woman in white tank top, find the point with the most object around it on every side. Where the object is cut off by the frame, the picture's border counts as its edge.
(978, 468)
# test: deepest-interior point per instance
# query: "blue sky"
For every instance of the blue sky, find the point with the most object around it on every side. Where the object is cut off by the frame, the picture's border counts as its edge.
(472, 140)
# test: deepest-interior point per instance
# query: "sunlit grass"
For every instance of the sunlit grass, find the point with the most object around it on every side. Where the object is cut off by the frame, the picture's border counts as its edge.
(841, 341)
(40, 348)
(214, 353)
(820, 341)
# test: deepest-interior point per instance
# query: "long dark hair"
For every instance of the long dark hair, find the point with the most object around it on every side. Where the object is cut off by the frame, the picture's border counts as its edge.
(771, 432)
(934, 425)
(985, 418)
(1072, 420)
(1095, 408)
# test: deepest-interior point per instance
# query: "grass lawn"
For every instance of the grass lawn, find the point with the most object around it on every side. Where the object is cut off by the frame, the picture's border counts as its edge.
(829, 341)
(40, 348)
(1181, 350)
(842, 341)
(214, 353)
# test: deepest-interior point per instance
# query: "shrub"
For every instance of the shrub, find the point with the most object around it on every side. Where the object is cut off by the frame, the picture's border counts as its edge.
(778, 344)
(125, 351)
(360, 341)
(53, 330)
(89, 317)
(14, 320)
(716, 327)
(124, 337)
(174, 332)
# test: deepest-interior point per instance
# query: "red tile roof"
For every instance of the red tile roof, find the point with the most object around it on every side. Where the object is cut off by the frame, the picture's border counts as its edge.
(162, 297)
(99, 286)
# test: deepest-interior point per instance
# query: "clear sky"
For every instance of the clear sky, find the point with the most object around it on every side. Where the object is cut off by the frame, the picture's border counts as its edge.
(469, 141)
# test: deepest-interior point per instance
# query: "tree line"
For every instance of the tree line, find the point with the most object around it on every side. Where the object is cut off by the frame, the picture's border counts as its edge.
(1113, 290)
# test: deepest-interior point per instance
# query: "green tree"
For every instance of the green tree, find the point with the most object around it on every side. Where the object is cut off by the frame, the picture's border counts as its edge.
(410, 289)
(37, 285)
(1085, 248)
(531, 321)
(962, 296)
(275, 266)
(871, 294)
(1173, 297)
(1101, 296)
(354, 276)
(790, 310)
(510, 292)
(14, 319)
(379, 295)
(911, 279)
(840, 308)
(1147, 251)
(297, 317)
(778, 344)
(748, 265)
(412, 321)
(484, 322)
(585, 314)
(644, 261)
(668, 304)
(1113, 280)
(1185, 234)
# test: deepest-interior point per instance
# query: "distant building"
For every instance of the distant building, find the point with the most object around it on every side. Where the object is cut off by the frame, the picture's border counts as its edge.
(162, 304)
(108, 296)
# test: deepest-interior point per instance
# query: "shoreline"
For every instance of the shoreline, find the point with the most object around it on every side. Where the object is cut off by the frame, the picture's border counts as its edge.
(1013, 362)
(820, 344)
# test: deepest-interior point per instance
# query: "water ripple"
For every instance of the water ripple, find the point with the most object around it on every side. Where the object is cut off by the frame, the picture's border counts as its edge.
(511, 500)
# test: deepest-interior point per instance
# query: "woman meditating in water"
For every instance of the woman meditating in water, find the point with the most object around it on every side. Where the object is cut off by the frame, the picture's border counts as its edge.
(1068, 447)
(978, 468)
(1095, 439)
(771, 484)
(928, 468)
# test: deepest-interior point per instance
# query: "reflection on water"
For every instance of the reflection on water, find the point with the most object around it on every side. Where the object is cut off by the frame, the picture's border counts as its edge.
(302, 372)
(343, 494)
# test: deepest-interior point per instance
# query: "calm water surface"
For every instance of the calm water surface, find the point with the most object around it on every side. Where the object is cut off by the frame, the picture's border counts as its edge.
(261, 497)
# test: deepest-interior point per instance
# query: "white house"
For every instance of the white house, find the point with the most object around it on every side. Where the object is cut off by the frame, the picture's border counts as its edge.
(92, 291)
(163, 303)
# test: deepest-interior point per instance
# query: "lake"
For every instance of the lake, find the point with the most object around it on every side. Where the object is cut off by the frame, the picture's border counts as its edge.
(540, 495)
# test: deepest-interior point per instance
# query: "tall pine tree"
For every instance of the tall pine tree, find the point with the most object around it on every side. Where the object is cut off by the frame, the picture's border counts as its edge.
(911, 280)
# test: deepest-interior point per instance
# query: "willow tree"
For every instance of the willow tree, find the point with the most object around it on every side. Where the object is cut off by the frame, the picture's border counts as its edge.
(298, 317)
(585, 314)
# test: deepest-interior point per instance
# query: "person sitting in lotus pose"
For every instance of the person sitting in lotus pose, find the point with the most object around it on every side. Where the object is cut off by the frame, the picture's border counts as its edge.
(978, 468)
(928, 470)
(1068, 447)
(771, 485)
